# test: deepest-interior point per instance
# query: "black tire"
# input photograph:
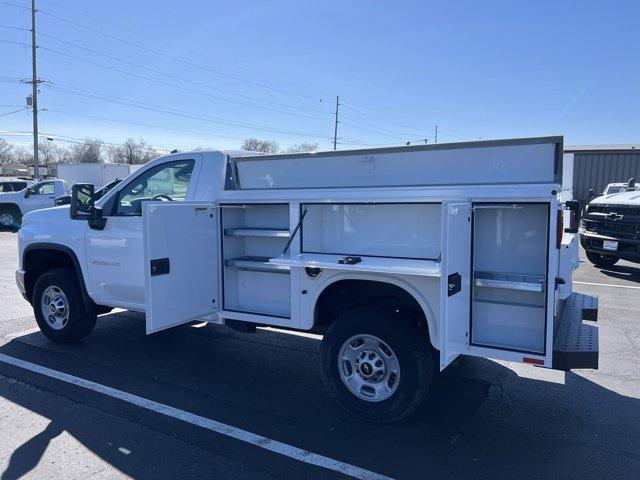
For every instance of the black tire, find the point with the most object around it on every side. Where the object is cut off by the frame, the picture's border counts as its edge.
(13, 213)
(80, 322)
(601, 260)
(408, 342)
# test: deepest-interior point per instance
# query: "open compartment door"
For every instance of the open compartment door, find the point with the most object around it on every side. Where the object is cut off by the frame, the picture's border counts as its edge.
(181, 262)
(455, 290)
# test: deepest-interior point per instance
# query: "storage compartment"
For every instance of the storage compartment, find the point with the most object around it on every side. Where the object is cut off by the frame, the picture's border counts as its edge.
(393, 230)
(253, 233)
(509, 275)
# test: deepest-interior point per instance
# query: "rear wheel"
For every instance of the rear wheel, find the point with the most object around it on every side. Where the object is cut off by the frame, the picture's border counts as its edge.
(602, 260)
(10, 217)
(58, 306)
(376, 367)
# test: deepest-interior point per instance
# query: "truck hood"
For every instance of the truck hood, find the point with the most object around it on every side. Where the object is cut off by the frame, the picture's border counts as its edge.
(47, 214)
(10, 196)
(622, 198)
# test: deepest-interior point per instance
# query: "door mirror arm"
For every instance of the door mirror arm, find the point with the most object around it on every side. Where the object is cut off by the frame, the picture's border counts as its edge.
(97, 221)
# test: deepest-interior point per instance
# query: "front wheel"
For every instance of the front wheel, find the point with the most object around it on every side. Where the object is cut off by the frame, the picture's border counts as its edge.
(377, 367)
(602, 260)
(58, 307)
(10, 217)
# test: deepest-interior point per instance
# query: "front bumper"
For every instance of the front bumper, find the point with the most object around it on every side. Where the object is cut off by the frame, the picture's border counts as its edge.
(628, 249)
(20, 282)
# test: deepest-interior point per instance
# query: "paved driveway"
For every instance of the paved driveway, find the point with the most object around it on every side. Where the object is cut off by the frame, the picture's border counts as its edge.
(483, 419)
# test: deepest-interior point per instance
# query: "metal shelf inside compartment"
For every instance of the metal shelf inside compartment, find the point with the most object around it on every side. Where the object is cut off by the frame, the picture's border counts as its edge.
(510, 281)
(257, 232)
(258, 264)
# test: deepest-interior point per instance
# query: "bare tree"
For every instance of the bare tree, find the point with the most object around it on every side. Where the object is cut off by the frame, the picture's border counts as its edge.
(89, 151)
(302, 147)
(257, 145)
(23, 156)
(132, 152)
(6, 151)
(62, 155)
(47, 153)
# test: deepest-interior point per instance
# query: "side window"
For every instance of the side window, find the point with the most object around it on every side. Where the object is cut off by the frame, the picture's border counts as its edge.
(42, 189)
(166, 182)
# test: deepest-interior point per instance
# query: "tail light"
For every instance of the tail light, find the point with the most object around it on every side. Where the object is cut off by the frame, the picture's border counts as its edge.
(575, 212)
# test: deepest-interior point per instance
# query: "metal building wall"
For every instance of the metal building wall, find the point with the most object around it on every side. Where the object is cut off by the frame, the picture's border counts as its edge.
(597, 169)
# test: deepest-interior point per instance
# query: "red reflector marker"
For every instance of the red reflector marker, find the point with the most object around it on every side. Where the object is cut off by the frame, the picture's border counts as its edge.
(533, 361)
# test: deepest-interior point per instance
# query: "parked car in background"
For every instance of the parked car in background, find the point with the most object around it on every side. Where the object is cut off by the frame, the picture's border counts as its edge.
(611, 226)
(618, 188)
(12, 185)
(13, 205)
(66, 199)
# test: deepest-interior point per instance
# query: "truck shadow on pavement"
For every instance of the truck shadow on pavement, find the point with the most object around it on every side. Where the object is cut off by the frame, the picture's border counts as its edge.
(481, 420)
(623, 272)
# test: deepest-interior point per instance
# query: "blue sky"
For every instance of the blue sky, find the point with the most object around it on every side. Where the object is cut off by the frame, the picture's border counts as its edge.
(477, 69)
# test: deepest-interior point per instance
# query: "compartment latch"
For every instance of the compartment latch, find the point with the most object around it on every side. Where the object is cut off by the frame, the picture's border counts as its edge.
(454, 284)
(160, 266)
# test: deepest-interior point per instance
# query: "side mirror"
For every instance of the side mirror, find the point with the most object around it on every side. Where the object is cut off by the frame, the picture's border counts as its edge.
(82, 203)
(631, 183)
(575, 214)
(82, 206)
(27, 193)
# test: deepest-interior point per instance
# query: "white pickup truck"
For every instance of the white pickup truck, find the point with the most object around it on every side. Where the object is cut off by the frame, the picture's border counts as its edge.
(611, 226)
(402, 258)
(14, 205)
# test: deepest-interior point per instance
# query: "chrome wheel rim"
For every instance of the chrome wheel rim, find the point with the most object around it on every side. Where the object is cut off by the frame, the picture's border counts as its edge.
(55, 307)
(6, 220)
(369, 368)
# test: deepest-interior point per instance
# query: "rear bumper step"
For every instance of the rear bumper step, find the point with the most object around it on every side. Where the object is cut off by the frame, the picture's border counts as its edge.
(576, 344)
(587, 303)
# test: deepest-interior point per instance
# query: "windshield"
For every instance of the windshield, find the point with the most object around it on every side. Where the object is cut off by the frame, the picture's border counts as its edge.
(618, 189)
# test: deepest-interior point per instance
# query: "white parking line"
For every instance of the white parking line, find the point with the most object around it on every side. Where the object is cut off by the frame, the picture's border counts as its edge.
(606, 285)
(218, 427)
(11, 336)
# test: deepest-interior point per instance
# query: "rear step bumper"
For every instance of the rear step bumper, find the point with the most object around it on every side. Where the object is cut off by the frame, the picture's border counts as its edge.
(576, 344)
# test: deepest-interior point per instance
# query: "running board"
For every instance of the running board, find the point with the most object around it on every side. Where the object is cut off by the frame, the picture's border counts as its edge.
(576, 344)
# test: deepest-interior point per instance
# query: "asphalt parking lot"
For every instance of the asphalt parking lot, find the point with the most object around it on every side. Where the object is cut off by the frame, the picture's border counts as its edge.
(483, 419)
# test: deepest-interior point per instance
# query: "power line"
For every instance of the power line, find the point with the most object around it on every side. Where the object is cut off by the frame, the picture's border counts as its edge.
(153, 80)
(177, 112)
(355, 109)
(15, 43)
(15, 111)
(183, 130)
(175, 77)
(64, 138)
(14, 5)
(9, 27)
(402, 134)
(369, 130)
(180, 60)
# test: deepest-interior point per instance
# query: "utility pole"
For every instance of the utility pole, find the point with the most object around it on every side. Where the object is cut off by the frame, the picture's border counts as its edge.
(436, 136)
(335, 127)
(34, 83)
